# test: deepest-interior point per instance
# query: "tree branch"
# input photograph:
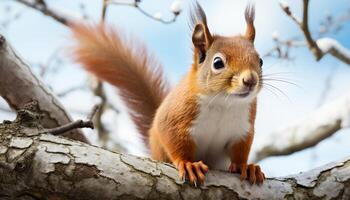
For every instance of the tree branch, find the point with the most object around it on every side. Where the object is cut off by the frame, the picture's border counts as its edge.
(321, 124)
(175, 9)
(42, 7)
(341, 53)
(19, 86)
(333, 47)
(71, 126)
(305, 28)
(43, 165)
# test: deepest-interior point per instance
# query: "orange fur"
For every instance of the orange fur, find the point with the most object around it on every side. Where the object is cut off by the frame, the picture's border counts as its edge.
(105, 53)
(166, 118)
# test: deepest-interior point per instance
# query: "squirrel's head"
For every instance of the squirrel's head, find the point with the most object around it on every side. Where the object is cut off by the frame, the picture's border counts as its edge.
(227, 65)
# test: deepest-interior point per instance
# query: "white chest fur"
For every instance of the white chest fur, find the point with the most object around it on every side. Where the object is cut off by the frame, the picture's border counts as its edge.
(221, 122)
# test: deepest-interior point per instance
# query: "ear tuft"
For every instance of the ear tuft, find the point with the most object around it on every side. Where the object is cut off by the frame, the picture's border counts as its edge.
(197, 15)
(201, 37)
(249, 18)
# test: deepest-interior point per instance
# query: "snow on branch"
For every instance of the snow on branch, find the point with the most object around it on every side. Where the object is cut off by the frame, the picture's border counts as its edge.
(328, 46)
(175, 9)
(332, 46)
(321, 124)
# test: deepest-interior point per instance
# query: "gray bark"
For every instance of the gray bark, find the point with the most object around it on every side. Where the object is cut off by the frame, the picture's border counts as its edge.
(37, 165)
(19, 86)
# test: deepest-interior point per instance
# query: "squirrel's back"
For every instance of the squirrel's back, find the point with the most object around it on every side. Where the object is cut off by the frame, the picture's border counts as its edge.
(126, 64)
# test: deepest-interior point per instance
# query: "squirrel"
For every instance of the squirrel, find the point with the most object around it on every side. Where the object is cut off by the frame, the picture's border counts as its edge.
(207, 120)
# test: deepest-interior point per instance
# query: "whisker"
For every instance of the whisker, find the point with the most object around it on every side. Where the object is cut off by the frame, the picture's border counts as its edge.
(277, 89)
(280, 78)
(278, 73)
(283, 81)
(270, 90)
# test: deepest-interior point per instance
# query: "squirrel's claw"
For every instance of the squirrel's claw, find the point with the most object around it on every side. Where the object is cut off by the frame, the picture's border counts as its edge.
(250, 172)
(195, 171)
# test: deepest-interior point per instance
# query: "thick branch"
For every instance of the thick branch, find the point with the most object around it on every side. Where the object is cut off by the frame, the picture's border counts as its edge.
(43, 165)
(19, 86)
(321, 124)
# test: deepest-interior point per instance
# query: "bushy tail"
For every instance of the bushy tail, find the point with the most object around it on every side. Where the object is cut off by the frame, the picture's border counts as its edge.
(126, 64)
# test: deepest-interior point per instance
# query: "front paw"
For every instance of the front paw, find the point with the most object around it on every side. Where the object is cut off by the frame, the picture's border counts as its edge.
(193, 170)
(250, 172)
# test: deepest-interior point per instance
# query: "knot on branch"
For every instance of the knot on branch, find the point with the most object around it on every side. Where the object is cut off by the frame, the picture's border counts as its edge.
(29, 116)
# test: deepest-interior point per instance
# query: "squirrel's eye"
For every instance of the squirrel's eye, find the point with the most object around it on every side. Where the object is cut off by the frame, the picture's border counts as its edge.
(261, 62)
(218, 64)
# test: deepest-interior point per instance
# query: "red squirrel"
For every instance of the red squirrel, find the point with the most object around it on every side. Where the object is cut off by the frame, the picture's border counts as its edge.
(207, 120)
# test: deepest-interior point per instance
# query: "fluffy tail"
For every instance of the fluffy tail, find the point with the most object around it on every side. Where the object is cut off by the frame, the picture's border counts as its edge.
(125, 64)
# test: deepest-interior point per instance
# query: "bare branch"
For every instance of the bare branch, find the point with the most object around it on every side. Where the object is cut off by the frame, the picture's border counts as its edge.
(337, 51)
(76, 124)
(104, 10)
(286, 9)
(136, 3)
(70, 126)
(70, 90)
(333, 23)
(99, 91)
(10, 16)
(327, 86)
(93, 112)
(321, 124)
(19, 86)
(44, 9)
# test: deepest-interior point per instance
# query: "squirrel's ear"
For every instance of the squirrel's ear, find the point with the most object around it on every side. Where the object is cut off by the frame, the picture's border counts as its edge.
(201, 37)
(249, 18)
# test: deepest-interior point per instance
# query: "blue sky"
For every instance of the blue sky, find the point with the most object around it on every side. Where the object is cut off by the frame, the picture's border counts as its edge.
(36, 37)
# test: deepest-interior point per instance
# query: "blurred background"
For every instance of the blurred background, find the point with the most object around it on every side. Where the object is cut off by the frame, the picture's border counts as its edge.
(301, 87)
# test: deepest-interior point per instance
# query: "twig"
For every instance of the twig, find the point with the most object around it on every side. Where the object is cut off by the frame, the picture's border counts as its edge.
(287, 10)
(70, 126)
(93, 112)
(42, 7)
(99, 92)
(305, 28)
(312, 43)
(136, 3)
(11, 17)
(327, 86)
(145, 13)
(104, 10)
(70, 90)
(47, 65)
(76, 124)
(25, 87)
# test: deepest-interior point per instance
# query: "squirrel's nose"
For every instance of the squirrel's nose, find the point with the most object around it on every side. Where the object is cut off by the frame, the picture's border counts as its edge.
(249, 80)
